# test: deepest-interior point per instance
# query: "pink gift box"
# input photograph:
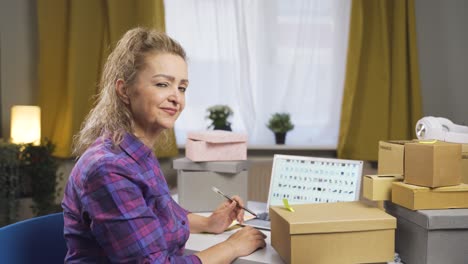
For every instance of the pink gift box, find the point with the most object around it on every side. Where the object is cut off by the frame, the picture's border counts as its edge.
(216, 145)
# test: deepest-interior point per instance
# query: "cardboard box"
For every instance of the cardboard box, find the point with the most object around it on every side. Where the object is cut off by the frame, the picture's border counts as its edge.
(433, 164)
(379, 187)
(431, 236)
(345, 232)
(195, 179)
(216, 145)
(391, 156)
(418, 197)
(464, 163)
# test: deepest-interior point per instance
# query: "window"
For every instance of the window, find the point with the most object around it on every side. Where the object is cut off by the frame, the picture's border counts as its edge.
(261, 57)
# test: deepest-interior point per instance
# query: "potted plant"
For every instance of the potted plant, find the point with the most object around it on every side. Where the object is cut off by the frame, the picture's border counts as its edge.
(280, 124)
(219, 114)
(9, 182)
(41, 167)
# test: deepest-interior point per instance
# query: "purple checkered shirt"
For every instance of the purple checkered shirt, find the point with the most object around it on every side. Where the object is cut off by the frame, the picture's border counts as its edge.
(118, 209)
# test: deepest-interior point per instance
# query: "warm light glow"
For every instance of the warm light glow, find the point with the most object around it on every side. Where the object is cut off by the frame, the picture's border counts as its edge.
(26, 124)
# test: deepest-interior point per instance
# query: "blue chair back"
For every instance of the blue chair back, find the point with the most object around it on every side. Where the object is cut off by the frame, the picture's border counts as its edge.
(36, 240)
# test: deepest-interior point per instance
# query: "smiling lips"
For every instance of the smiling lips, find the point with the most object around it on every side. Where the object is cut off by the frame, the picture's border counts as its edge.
(170, 111)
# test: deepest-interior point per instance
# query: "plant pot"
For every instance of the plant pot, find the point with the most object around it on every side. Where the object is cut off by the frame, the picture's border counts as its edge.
(280, 138)
(224, 127)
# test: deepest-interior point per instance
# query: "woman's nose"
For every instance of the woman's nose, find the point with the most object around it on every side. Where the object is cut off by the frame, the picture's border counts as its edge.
(175, 96)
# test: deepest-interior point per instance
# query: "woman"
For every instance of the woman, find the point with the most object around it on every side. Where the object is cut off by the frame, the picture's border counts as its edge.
(117, 205)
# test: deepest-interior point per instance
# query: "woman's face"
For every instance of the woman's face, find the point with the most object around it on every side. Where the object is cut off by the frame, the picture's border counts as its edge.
(157, 97)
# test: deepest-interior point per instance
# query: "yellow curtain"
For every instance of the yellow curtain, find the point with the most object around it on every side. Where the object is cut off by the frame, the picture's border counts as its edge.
(75, 38)
(381, 97)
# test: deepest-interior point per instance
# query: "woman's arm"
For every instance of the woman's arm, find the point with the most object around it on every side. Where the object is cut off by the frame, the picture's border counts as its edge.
(219, 220)
(239, 244)
(198, 223)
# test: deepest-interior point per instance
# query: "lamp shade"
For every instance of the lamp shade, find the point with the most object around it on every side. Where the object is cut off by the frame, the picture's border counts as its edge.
(26, 124)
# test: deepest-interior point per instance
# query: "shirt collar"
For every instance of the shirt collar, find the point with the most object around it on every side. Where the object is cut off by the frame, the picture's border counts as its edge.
(135, 148)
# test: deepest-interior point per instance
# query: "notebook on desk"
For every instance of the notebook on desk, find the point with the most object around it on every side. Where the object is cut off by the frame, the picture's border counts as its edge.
(304, 180)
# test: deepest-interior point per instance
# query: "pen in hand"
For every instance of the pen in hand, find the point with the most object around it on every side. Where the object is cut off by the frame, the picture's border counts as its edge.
(216, 190)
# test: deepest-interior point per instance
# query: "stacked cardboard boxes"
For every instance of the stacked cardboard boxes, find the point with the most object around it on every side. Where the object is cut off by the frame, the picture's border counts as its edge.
(427, 169)
(432, 173)
(213, 158)
(432, 177)
(390, 169)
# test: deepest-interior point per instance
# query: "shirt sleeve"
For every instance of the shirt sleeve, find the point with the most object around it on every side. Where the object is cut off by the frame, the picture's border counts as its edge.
(122, 223)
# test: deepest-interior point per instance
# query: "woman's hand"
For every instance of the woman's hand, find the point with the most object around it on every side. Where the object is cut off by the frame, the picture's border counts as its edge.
(223, 216)
(239, 244)
(246, 241)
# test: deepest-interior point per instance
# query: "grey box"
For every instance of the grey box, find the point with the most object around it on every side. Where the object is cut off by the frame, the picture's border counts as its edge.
(195, 179)
(430, 236)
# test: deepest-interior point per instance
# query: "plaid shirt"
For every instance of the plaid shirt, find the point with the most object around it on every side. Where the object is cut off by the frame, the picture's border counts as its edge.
(117, 208)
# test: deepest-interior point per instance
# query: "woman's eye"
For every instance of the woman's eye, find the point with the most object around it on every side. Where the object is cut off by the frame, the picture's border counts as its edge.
(162, 85)
(183, 89)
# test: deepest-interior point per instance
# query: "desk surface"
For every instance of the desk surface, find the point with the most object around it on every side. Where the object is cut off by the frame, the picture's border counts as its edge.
(199, 242)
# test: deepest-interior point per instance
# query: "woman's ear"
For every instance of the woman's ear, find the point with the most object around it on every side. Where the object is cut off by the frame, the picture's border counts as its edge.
(122, 91)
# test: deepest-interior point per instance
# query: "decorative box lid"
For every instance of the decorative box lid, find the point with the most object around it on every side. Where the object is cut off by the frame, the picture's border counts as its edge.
(216, 166)
(431, 219)
(217, 136)
(334, 217)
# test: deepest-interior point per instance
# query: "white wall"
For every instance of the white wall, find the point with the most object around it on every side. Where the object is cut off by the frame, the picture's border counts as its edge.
(18, 57)
(443, 57)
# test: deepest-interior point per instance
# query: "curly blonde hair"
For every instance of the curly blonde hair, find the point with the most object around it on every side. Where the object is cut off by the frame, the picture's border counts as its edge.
(109, 114)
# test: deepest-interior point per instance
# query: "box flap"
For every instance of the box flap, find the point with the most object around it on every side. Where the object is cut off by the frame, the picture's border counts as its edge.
(215, 166)
(434, 143)
(457, 188)
(335, 217)
(390, 177)
(399, 142)
(431, 219)
(217, 136)
(413, 188)
(425, 198)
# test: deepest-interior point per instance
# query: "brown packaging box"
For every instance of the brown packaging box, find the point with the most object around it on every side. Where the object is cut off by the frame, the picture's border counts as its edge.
(333, 233)
(433, 164)
(464, 163)
(379, 187)
(391, 156)
(418, 197)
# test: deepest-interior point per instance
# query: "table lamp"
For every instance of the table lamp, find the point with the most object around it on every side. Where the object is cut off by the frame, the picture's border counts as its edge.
(26, 124)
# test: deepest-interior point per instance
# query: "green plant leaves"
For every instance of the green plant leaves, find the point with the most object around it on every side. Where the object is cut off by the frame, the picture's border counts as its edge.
(280, 123)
